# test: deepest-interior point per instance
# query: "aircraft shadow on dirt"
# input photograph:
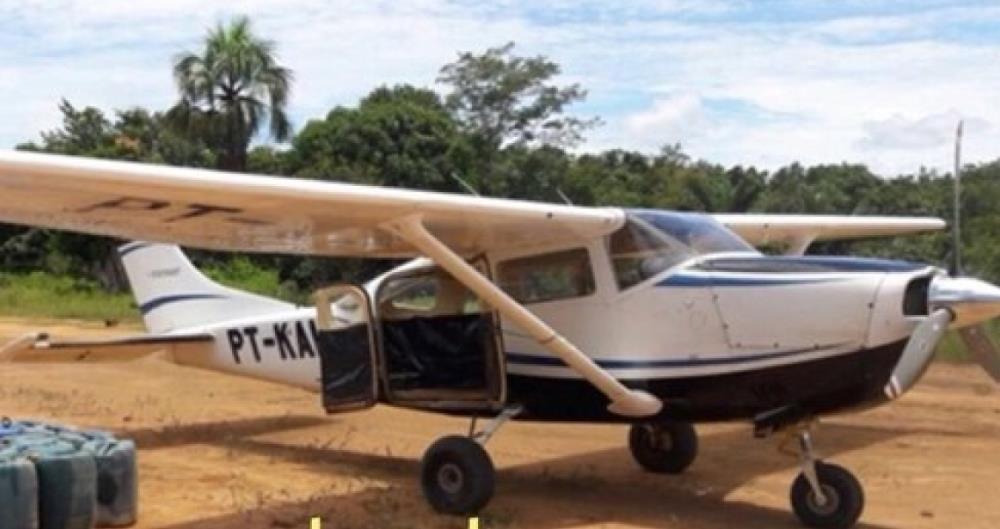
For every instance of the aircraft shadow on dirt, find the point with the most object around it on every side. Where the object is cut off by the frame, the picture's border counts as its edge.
(602, 486)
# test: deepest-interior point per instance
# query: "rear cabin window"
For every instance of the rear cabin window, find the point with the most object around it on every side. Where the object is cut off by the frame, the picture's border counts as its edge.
(639, 252)
(428, 294)
(547, 277)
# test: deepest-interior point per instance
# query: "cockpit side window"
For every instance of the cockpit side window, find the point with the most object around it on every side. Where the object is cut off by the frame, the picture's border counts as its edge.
(639, 252)
(547, 277)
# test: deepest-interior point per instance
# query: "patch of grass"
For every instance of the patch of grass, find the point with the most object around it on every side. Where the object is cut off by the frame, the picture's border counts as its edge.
(41, 294)
(47, 295)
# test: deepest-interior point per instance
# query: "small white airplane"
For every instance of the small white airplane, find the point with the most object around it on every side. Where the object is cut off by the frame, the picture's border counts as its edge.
(515, 309)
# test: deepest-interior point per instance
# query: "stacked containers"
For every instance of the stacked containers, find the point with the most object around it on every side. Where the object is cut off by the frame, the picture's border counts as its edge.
(85, 478)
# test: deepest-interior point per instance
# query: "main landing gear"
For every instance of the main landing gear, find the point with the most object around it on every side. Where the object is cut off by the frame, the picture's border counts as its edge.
(824, 496)
(663, 447)
(457, 474)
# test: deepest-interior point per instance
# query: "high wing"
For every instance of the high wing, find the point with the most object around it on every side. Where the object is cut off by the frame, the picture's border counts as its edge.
(799, 231)
(40, 348)
(238, 212)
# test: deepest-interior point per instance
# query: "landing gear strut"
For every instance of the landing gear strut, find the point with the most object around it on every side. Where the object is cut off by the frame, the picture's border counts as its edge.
(457, 474)
(663, 447)
(825, 496)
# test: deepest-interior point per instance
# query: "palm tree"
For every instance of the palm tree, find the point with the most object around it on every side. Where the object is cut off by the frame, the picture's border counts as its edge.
(230, 90)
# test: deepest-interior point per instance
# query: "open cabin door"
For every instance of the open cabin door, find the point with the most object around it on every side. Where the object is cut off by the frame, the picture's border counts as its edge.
(347, 348)
(439, 345)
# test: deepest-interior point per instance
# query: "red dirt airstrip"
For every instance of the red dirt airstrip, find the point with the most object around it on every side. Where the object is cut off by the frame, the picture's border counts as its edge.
(222, 452)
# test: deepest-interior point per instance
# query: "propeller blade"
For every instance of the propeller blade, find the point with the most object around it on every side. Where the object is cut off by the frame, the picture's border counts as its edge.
(984, 351)
(917, 353)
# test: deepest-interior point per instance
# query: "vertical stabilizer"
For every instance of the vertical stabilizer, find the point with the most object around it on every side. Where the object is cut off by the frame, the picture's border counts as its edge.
(172, 294)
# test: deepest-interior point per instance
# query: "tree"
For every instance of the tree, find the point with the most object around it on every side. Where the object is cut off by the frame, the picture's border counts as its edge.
(715, 189)
(136, 135)
(229, 90)
(503, 99)
(85, 132)
(400, 136)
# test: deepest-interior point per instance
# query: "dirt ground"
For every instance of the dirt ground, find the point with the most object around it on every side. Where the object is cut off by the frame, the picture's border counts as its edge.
(217, 451)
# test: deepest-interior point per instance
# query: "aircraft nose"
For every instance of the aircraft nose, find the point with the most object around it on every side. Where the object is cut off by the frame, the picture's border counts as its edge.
(970, 300)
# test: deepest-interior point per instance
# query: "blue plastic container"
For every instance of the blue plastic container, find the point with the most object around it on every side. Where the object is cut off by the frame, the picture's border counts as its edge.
(18, 489)
(117, 481)
(67, 481)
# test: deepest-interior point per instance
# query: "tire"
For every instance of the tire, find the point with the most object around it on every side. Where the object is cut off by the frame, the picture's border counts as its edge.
(840, 487)
(457, 476)
(663, 448)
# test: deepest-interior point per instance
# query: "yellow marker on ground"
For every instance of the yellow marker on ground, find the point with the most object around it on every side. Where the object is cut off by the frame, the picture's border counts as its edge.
(316, 523)
(473, 523)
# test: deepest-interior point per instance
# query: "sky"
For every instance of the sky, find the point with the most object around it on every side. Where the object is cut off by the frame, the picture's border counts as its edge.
(762, 83)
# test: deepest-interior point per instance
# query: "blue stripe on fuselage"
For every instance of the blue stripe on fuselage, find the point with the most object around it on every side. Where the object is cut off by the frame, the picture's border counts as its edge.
(537, 360)
(681, 279)
(805, 264)
(156, 303)
(131, 247)
(853, 264)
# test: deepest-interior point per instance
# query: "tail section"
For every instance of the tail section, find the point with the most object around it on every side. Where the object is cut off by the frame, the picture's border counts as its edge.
(172, 294)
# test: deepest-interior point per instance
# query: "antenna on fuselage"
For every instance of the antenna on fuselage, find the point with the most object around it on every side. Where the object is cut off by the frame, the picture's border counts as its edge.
(956, 225)
(563, 196)
(468, 187)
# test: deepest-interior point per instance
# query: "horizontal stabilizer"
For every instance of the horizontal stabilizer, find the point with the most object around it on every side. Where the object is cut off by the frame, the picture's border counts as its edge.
(39, 348)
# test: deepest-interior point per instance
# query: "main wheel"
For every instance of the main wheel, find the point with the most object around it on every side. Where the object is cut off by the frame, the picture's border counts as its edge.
(663, 448)
(457, 476)
(845, 499)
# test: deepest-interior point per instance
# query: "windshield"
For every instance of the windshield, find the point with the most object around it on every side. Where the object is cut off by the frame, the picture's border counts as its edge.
(700, 232)
(652, 241)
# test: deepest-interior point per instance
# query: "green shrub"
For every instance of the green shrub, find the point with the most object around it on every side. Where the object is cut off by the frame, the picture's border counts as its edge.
(40, 294)
(243, 274)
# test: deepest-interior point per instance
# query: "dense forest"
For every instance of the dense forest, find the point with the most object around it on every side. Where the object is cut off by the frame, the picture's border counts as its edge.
(496, 124)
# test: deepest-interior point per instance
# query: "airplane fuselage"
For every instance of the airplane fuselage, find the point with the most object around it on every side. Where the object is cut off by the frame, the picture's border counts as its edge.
(717, 338)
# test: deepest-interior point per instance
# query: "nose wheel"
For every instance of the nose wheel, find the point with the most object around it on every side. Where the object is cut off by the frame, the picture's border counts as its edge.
(663, 447)
(825, 496)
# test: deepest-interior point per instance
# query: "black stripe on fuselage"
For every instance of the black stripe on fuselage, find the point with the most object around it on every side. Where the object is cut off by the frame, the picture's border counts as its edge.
(814, 387)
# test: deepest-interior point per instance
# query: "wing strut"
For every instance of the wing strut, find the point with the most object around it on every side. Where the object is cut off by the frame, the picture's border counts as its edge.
(624, 401)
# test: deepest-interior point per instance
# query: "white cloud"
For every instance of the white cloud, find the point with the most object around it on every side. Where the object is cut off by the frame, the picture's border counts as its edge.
(848, 86)
(898, 132)
(670, 118)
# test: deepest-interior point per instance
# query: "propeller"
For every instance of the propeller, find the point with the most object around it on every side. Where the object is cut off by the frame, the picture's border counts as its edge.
(983, 350)
(973, 304)
(961, 303)
(957, 302)
(917, 353)
(975, 337)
